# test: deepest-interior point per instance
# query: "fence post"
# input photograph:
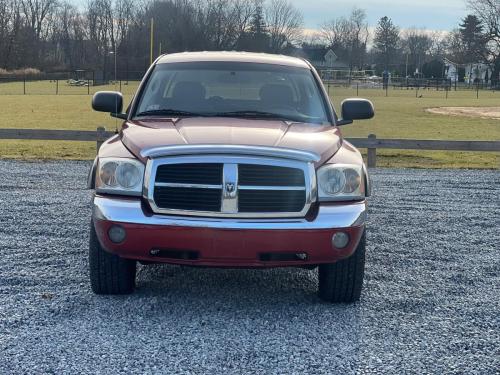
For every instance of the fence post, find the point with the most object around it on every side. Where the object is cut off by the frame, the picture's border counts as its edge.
(101, 137)
(24, 85)
(57, 86)
(372, 152)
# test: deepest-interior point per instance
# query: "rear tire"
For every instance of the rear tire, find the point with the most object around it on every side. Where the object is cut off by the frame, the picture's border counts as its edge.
(342, 282)
(109, 274)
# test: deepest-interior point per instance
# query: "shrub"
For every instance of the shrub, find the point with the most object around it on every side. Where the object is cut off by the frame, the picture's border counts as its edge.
(20, 72)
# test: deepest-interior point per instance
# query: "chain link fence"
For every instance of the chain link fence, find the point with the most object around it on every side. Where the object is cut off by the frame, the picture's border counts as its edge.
(81, 82)
(77, 82)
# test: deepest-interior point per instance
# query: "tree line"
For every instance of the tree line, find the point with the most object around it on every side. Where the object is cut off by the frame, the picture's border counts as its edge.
(57, 35)
(476, 40)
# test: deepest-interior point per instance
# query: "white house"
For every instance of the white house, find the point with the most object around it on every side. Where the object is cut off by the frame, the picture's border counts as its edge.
(473, 72)
(477, 72)
(451, 70)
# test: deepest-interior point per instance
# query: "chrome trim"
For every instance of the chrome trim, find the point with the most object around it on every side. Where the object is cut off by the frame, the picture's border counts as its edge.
(130, 211)
(180, 185)
(274, 187)
(278, 152)
(229, 208)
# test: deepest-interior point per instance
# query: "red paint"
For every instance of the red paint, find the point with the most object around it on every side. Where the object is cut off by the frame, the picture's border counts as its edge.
(323, 140)
(227, 247)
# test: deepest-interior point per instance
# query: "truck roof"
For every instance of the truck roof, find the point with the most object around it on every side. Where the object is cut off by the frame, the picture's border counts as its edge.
(246, 57)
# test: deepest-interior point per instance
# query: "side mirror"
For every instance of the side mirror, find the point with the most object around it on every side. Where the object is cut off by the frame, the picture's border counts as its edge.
(356, 109)
(108, 101)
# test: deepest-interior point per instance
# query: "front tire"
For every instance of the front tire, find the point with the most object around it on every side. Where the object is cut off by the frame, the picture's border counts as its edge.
(342, 282)
(109, 274)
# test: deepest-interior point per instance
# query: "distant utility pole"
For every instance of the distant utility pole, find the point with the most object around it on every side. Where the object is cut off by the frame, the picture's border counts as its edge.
(406, 65)
(151, 42)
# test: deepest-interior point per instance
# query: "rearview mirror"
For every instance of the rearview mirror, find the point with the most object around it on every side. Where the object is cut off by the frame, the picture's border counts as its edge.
(108, 101)
(356, 109)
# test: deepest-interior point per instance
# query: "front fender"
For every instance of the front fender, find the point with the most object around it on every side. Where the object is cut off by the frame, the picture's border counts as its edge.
(92, 173)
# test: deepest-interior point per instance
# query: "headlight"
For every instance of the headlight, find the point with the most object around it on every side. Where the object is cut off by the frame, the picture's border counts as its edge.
(120, 176)
(340, 182)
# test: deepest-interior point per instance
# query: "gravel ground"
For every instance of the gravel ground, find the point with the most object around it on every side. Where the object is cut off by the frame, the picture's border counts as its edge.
(430, 304)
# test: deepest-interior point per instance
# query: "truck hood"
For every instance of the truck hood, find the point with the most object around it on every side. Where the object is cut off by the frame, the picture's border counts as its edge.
(323, 140)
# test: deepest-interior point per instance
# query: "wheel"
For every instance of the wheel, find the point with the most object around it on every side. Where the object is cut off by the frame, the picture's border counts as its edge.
(109, 274)
(341, 282)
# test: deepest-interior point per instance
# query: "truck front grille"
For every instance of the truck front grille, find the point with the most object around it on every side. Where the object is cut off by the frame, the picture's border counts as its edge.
(251, 174)
(193, 199)
(230, 187)
(208, 173)
(271, 201)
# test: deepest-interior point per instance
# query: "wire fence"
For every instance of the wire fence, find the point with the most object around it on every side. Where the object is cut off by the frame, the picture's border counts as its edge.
(89, 82)
(416, 88)
(79, 82)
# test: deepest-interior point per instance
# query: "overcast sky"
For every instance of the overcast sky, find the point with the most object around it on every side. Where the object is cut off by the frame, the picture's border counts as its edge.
(432, 14)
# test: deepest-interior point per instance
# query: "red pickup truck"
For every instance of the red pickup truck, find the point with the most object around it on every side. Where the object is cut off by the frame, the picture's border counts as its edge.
(230, 159)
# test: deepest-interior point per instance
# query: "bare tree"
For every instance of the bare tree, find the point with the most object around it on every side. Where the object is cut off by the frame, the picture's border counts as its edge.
(348, 37)
(417, 43)
(69, 34)
(284, 23)
(359, 37)
(101, 29)
(336, 32)
(224, 22)
(36, 13)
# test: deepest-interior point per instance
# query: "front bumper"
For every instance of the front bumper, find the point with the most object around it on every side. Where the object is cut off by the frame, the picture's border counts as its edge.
(225, 242)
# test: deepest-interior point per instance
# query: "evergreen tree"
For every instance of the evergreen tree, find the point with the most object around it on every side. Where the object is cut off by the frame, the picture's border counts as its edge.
(473, 39)
(386, 41)
(257, 38)
(258, 25)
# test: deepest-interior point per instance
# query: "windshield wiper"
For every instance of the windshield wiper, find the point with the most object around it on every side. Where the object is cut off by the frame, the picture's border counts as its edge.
(256, 114)
(169, 112)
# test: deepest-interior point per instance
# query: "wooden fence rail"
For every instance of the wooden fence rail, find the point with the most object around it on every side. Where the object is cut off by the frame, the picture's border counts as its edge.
(372, 143)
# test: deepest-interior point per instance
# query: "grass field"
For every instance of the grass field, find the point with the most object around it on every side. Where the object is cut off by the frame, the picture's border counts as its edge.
(401, 115)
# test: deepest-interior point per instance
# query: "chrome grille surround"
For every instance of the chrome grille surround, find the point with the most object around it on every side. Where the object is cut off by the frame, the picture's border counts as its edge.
(229, 206)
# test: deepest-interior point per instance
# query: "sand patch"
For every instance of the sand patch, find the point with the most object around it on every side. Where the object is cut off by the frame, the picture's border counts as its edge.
(475, 112)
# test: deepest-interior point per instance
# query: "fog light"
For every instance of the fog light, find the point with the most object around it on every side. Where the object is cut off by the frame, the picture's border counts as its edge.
(340, 240)
(117, 234)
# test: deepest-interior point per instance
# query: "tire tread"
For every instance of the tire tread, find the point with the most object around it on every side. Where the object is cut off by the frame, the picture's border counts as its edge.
(342, 282)
(109, 274)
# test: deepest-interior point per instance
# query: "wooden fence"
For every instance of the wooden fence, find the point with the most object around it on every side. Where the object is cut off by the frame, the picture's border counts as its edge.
(372, 143)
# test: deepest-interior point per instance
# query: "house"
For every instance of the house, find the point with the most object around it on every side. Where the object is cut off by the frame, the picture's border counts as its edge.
(322, 58)
(477, 73)
(468, 73)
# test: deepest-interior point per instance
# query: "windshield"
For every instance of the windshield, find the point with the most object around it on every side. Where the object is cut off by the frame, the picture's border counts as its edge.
(233, 90)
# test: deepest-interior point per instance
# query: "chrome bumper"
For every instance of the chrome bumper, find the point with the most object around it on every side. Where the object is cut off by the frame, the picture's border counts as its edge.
(130, 211)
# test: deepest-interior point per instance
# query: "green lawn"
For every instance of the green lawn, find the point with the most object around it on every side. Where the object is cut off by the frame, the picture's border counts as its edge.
(401, 115)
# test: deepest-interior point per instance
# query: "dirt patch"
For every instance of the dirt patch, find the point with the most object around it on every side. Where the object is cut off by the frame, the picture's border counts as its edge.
(476, 112)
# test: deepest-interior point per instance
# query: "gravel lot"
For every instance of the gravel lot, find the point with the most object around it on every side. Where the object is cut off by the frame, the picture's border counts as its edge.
(430, 305)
